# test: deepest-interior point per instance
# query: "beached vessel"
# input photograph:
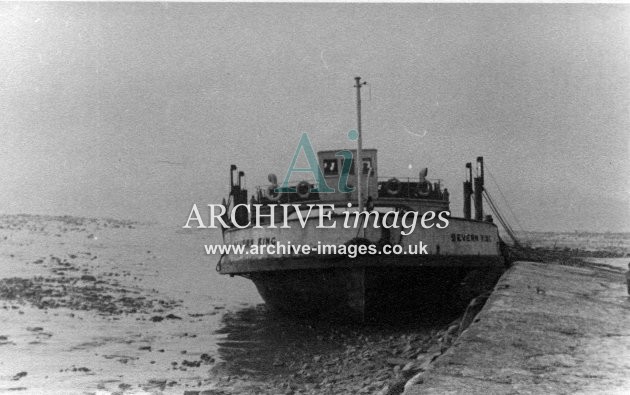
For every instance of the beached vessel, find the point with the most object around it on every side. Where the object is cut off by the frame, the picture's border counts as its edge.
(444, 259)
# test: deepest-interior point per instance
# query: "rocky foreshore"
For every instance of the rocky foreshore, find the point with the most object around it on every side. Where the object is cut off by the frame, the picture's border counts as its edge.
(81, 316)
(85, 310)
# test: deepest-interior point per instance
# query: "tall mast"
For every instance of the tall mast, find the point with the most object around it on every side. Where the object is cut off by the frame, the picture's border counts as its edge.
(358, 162)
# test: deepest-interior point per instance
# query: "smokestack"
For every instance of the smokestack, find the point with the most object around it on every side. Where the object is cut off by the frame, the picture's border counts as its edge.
(468, 190)
(478, 199)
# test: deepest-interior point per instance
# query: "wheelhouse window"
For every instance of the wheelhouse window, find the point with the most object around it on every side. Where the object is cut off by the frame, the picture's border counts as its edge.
(331, 167)
(367, 165)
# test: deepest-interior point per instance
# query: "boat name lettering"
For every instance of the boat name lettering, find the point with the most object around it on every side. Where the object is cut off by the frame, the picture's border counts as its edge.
(259, 241)
(470, 237)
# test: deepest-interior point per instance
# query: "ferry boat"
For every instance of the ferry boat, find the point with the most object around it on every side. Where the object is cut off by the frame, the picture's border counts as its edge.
(455, 261)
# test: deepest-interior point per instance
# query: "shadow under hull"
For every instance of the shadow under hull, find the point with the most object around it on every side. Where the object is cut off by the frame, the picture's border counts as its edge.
(372, 293)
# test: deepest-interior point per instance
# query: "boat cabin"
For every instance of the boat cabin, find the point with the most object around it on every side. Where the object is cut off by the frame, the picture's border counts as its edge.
(341, 176)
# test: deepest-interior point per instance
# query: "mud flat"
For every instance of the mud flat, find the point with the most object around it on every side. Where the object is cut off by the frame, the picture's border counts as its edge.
(102, 306)
(547, 328)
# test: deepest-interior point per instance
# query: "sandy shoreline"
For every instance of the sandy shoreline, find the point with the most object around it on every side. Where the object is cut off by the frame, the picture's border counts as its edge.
(82, 311)
(101, 306)
(75, 319)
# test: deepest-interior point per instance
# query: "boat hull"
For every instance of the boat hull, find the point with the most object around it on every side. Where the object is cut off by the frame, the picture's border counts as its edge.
(459, 263)
(365, 292)
(334, 293)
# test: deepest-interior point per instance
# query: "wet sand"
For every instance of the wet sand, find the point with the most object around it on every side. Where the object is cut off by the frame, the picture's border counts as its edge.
(106, 306)
(80, 311)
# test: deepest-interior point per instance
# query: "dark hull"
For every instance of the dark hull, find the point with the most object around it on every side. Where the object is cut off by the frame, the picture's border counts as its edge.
(375, 293)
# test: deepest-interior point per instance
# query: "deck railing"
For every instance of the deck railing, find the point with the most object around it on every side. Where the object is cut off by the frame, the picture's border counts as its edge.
(411, 188)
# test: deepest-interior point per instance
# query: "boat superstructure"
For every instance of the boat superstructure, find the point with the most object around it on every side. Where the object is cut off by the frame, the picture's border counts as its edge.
(442, 257)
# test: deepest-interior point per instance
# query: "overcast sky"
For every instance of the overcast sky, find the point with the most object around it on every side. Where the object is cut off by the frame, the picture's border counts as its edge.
(137, 110)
